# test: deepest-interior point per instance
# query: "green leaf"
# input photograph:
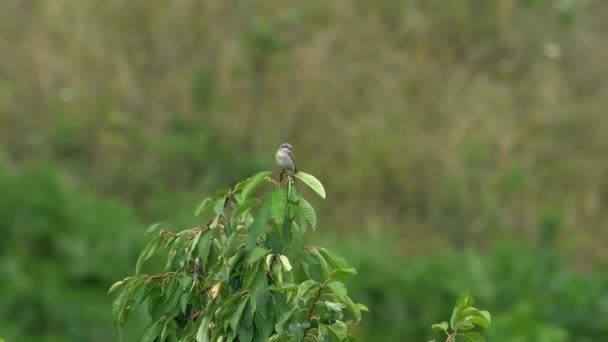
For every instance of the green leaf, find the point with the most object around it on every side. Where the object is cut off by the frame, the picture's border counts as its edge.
(334, 259)
(170, 328)
(487, 316)
(278, 204)
(256, 253)
(150, 249)
(304, 287)
(257, 227)
(476, 316)
(343, 272)
(465, 300)
(202, 206)
(236, 314)
(309, 213)
(338, 330)
(339, 290)
(455, 317)
(153, 228)
(115, 286)
(283, 287)
(218, 208)
(202, 334)
(481, 321)
(203, 245)
(465, 325)
(312, 182)
(152, 331)
(440, 327)
(363, 307)
(315, 265)
(253, 182)
(474, 337)
(335, 307)
(244, 207)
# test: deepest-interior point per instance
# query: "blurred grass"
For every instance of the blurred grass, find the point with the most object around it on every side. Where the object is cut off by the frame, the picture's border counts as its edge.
(460, 123)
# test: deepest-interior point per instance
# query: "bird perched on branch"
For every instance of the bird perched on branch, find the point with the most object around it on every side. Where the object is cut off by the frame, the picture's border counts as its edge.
(284, 158)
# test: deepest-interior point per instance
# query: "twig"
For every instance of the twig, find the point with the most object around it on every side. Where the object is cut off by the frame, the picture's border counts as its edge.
(312, 308)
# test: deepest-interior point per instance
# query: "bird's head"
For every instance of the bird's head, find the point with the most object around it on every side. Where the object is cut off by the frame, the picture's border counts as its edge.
(286, 147)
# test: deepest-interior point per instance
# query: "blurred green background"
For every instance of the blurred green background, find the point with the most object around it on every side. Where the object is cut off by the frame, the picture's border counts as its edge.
(462, 144)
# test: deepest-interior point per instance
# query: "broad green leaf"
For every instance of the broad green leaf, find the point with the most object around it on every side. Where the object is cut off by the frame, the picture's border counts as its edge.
(309, 213)
(278, 204)
(343, 272)
(465, 300)
(152, 331)
(257, 227)
(153, 228)
(304, 287)
(481, 321)
(338, 330)
(440, 327)
(335, 307)
(284, 317)
(244, 207)
(285, 262)
(476, 316)
(202, 334)
(334, 259)
(218, 207)
(473, 336)
(312, 182)
(253, 182)
(169, 329)
(256, 253)
(199, 209)
(339, 290)
(150, 249)
(115, 286)
(236, 314)
(465, 325)
(486, 315)
(455, 317)
(315, 266)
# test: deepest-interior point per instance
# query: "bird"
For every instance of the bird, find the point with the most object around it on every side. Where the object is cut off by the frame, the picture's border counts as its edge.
(284, 158)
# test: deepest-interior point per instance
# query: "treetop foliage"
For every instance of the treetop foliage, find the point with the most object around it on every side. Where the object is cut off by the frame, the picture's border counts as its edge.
(245, 275)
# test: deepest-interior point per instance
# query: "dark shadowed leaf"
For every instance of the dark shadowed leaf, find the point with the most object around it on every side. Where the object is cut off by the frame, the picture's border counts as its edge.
(474, 337)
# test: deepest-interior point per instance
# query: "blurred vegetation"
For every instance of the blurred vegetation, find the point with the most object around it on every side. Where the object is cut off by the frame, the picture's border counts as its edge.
(448, 126)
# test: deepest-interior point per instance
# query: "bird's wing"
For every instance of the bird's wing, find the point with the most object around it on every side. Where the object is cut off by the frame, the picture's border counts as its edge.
(295, 168)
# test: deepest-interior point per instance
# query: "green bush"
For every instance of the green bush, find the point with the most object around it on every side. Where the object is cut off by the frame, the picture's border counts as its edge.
(531, 295)
(61, 246)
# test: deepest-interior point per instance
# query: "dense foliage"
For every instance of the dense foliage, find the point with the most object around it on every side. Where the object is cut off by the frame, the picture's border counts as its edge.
(246, 275)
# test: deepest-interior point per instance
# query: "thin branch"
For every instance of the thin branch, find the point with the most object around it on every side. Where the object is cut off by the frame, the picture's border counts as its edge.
(312, 308)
